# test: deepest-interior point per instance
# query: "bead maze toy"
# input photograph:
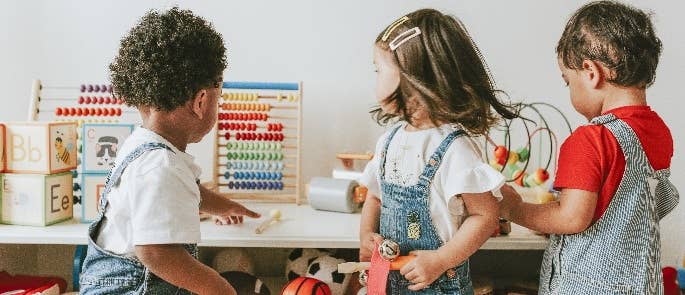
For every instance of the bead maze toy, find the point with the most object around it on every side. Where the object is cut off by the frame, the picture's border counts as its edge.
(258, 141)
(514, 163)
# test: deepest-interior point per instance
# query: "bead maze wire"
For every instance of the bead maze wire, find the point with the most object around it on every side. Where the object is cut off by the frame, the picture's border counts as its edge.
(258, 142)
(506, 159)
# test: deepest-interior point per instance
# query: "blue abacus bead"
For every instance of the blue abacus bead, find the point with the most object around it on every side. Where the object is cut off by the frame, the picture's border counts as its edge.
(230, 184)
(227, 175)
(280, 185)
(279, 175)
(252, 185)
(261, 185)
(280, 166)
(74, 173)
(76, 187)
(228, 165)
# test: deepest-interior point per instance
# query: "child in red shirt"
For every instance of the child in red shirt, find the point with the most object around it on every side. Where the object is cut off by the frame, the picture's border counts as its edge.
(612, 173)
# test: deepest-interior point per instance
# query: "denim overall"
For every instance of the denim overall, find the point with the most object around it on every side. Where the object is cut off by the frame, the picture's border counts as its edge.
(405, 219)
(620, 253)
(109, 273)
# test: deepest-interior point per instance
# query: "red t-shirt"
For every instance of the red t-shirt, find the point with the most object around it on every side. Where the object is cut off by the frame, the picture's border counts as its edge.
(591, 159)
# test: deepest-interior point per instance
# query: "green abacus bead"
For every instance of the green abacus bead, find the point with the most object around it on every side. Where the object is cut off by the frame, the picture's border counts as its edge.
(278, 146)
(280, 156)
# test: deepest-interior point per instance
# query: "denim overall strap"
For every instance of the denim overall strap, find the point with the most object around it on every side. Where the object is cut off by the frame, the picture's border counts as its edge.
(435, 160)
(406, 219)
(384, 152)
(115, 174)
(108, 273)
(619, 253)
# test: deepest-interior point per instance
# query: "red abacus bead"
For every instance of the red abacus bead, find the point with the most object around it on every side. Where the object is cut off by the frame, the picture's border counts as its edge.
(220, 126)
(227, 136)
(83, 87)
(81, 100)
(280, 126)
(73, 111)
(101, 100)
(108, 100)
(243, 126)
(260, 136)
(238, 136)
(58, 111)
(281, 137)
(96, 88)
(254, 126)
(105, 112)
(79, 112)
(265, 117)
(221, 116)
(269, 127)
(118, 112)
(98, 112)
(86, 111)
(120, 101)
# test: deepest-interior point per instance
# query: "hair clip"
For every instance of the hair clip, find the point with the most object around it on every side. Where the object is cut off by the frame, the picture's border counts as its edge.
(404, 37)
(393, 26)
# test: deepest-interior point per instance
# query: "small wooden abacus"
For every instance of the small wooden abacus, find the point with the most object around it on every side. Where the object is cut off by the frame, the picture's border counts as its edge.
(258, 141)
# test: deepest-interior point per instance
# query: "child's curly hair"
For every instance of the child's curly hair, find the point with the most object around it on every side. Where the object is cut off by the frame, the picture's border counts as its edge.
(166, 58)
(446, 68)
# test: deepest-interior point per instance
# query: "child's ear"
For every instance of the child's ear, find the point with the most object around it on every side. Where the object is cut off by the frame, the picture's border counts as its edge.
(593, 73)
(199, 103)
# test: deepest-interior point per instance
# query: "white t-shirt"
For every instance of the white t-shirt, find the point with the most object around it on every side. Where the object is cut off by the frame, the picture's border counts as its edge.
(157, 199)
(461, 171)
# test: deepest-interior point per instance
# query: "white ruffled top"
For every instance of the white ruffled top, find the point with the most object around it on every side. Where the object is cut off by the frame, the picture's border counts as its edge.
(461, 171)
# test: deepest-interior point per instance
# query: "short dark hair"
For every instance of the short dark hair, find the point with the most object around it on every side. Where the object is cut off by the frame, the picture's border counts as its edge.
(166, 59)
(616, 35)
(445, 66)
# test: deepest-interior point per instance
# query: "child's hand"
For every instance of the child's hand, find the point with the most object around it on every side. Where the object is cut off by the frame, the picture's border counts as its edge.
(510, 200)
(233, 214)
(424, 269)
(368, 245)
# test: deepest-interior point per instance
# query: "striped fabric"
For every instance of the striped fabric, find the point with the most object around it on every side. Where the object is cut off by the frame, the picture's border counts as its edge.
(620, 253)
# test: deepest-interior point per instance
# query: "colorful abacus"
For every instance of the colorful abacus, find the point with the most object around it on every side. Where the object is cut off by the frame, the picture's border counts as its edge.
(85, 103)
(258, 141)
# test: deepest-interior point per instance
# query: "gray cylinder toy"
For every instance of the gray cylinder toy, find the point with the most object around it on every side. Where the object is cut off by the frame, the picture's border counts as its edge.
(331, 194)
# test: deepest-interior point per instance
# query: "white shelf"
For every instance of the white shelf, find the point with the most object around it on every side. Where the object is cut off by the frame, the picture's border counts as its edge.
(300, 227)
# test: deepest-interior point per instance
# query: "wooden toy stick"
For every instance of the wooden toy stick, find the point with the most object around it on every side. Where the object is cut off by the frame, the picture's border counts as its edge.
(352, 267)
(275, 217)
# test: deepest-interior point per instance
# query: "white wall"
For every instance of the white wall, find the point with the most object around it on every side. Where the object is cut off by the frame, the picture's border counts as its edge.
(327, 45)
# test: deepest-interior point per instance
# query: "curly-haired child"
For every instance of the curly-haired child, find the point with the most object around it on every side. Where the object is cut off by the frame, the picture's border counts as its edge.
(169, 66)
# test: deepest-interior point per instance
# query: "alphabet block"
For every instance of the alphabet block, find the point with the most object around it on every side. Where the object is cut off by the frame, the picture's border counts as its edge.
(3, 158)
(92, 186)
(34, 199)
(100, 144)
(44, 148)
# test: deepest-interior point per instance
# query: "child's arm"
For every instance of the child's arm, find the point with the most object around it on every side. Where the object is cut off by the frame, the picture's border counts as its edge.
(227, 210)
(182, 270)
(571, 214)
(368, 227)
(476, 229)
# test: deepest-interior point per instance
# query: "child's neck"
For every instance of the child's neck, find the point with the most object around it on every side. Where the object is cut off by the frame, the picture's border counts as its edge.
(617, 97)
(165, 124)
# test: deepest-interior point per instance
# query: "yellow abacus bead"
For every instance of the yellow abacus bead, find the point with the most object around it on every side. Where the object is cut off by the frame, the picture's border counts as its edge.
(243, 97)
(255, 96)
(278, 97)
(290, 97)
(224, 96)
(296, 97)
